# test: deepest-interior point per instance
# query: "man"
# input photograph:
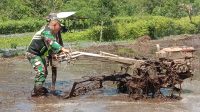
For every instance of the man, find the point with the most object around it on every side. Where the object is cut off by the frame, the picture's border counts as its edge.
(43, 44)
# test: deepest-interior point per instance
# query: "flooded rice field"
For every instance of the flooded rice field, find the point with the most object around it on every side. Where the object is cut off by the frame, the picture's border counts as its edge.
(16, 84)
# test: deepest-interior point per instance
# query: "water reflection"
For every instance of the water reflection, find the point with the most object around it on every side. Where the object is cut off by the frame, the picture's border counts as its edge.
(16, 83)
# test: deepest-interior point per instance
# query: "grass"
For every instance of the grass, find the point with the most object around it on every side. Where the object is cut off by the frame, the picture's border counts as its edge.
(24, 41)
(13, 42)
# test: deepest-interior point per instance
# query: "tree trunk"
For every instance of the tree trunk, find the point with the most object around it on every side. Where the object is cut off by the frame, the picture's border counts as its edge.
(101, 33)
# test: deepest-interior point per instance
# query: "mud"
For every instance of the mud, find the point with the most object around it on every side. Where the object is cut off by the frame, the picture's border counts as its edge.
(16, 83)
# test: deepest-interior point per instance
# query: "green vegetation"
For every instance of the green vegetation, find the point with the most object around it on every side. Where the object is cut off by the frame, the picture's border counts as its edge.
(134, 27)
(108, 20)
(123, 29)
(97, 10)
(20, 26)
(14, 42)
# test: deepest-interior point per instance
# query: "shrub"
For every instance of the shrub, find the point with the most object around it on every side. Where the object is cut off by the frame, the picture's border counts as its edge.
(77, 36)
(133, 30)
(109, 33)
(129, 28)
(22, 26)
(196, 22)
(161, 26)
(184, 26)
(156, 26)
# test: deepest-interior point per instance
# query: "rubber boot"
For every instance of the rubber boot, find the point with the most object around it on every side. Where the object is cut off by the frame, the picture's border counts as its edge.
(39, 90)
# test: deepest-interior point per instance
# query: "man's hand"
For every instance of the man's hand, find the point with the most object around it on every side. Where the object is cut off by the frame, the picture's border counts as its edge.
(54, 56)
(65, 50)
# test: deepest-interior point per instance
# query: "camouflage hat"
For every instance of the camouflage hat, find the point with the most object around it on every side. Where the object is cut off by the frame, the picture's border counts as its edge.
(53, 16)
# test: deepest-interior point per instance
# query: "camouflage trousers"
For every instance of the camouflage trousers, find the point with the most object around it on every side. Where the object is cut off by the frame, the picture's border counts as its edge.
(39, 65)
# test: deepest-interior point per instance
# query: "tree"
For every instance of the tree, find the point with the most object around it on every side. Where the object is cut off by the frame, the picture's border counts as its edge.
(14, 9)
(95, 10)
(106, 12)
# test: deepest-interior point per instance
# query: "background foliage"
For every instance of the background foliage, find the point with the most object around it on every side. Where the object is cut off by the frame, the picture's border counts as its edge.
(96, 10)
(122, 19)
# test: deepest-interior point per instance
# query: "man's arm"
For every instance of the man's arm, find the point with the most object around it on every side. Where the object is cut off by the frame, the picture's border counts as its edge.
(50, 40)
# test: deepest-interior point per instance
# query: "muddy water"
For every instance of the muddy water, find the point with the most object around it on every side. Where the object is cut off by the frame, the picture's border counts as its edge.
(16, 83)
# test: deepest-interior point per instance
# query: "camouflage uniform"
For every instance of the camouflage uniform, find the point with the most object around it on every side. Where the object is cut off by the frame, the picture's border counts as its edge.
(42, 44)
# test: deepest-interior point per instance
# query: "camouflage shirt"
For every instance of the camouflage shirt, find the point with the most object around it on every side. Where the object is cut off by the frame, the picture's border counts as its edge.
(43, 42)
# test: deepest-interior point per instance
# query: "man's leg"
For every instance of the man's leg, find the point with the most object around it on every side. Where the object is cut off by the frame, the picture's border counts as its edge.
(39, 66)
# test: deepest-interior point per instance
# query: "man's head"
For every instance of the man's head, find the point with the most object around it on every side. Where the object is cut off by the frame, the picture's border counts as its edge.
(51, 16)
(55, 26)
